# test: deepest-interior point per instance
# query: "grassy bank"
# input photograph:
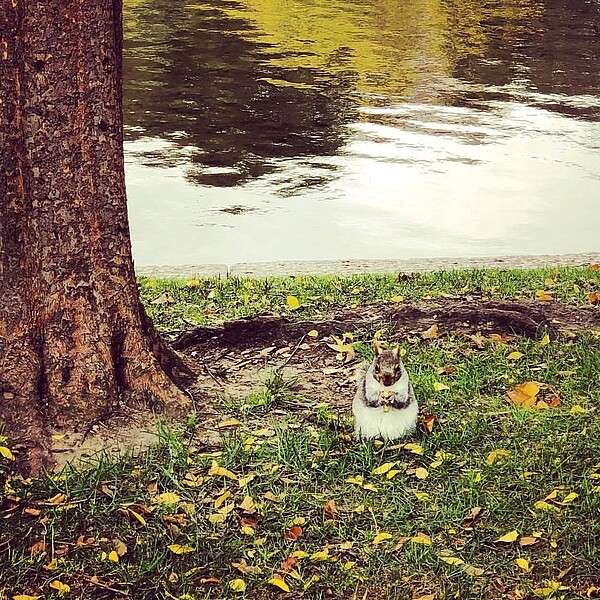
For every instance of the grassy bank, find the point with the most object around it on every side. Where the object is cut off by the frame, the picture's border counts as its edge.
(489, 499)
(176, 304)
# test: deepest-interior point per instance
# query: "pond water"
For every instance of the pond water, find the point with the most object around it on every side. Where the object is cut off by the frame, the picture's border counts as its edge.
(261, 130)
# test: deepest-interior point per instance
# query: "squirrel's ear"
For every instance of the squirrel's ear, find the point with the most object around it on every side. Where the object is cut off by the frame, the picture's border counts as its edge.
(378, 347)
(396, 350)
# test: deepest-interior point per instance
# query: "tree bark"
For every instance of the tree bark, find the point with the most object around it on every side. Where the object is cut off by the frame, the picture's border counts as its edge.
(74, 341)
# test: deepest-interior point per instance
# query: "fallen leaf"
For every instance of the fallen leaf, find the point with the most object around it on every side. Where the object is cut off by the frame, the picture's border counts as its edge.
(237, 585)
(474, 515)
(473, 571)
(440, 387)
(545, 506)
(425, 597)
(313, 333)
(293, 533)
(578, 410)
(381, 537)
(524, 394)
(428, 422)
(569, 498)
(528, 541)
(496, 456)
(544, 296)
(180, 549)
(320, 555)
(25, 597)
(272, 497)
(331, 508)
(113, 556)
(168, 498)
(414, 448)
(229, 423)
(220, 500)
(523, 563)
(430, 334)
(218, 471)
(593, 297)
(292, 302)
(509, 537)
(280, 583)
(514, 355)
(384, 468)
(61, 588)
(545, 340)
(289, 563)
(421, 473)
(247, 505)
(397, 299)
(6, 453)
(421, 538)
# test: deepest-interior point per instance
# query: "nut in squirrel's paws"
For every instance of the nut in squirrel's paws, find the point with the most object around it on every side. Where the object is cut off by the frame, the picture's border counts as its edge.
(384, 405)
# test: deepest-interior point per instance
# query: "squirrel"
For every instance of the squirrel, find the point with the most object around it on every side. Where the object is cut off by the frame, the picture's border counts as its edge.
(385, 405)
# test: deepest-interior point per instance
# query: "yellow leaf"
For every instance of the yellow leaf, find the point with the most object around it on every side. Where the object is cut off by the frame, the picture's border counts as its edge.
(509, 537)
(247, 504)
(421, 473)
(219, 471)
(321, 555)
(545, 340)
(237, 585)
(222, 499)
(440, 387)
(313, 333)
(180, 549)
(51, 566)
(280, 583)
(384, 468)
(514, 355)
(523, 563)
(166, 498)
(392, 473)
(431, 333)
(292, 302)
(544, 296)
(6, 453)
(569, 498)
(113, 556)
(496, 455)
(228, 423)
(357, 480)
(452, 560)
(528, 541)
(414, 448)
(421, 538)
(544, 506)
(524, 394)
(349, 565)
(137, 516)
(397, 299)
(62, 588)
(192, 283)
(381, 537)
(300, 554)
(421, 495)
(578, 410)
(25, 597)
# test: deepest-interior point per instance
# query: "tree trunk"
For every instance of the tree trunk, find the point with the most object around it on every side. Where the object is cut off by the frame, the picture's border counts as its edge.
(74, 341)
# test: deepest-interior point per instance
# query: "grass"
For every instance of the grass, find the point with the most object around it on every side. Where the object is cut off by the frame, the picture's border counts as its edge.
(177, 304)
(289, 500)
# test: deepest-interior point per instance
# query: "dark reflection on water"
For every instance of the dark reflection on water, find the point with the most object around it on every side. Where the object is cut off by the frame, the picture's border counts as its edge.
(367, 113)
(197, 77)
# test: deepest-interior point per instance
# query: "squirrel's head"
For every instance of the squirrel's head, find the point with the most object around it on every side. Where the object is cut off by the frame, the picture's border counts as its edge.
(387, 366)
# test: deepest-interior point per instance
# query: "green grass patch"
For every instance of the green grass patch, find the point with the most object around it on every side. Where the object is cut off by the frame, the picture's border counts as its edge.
(178, 304)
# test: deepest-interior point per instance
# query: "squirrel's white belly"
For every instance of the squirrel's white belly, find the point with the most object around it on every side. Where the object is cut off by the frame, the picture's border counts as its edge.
(372, 423)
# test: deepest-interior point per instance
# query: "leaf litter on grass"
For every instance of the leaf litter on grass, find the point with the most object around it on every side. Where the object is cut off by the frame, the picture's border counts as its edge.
(305, 464)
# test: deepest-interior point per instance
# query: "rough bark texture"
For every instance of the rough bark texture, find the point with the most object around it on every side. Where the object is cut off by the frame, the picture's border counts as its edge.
(74, 341)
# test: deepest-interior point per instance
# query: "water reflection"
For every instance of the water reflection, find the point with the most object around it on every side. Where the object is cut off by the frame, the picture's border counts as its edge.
(262, 130)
